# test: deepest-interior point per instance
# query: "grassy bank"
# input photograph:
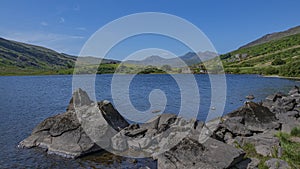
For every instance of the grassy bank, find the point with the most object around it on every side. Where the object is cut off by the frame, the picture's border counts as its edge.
(290, 142)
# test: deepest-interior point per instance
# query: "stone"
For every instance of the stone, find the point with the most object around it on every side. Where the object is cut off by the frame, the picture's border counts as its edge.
(250, 97)
(255, 117)
(264, 150)
(78, 99)
(189, 153)
(79, 131)
(283, 105)
(277, 164)
(136, 132)
(288, 120)
(235, 125)
(119, 142)
(145, 167)
(112, 116)
(294, 90)
(265, 143)
(61, 135)
(249, 163)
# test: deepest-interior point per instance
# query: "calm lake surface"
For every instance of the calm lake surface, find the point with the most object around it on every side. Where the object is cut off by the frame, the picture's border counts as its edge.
(27, 100)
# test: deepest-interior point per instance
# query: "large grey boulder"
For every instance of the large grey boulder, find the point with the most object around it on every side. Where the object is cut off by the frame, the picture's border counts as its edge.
(157, 135)
(275, 163)
(281, 103)
(295, 90)
(286, 108)
(79, 98)
(265, 144)
(248, 120)
(255, 117)
(86, 127)
(191, 154)
(249, 163)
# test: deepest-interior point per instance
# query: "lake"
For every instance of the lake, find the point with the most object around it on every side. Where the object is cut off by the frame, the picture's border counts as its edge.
(27, 100)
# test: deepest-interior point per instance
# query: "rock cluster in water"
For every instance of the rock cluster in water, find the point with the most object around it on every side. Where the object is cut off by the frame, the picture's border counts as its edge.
(173, 141)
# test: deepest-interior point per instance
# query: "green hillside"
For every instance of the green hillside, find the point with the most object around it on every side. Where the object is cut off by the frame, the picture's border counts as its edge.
(20, 58)
(276, 57)
(273, 36)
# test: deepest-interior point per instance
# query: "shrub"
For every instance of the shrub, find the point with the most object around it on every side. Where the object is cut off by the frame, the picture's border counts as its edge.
(278, 61)
(295, 132)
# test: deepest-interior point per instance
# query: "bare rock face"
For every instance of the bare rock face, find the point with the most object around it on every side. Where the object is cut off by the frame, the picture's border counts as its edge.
(79, 98)
(76, 132)
(286, 108)
(277, 164)
(265, 144)
(250, 119)
(190, 153)
(173, 141)
(249, 163)
(255, 117)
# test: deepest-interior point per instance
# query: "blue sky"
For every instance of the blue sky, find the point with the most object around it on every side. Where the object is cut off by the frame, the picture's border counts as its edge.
(65, 25)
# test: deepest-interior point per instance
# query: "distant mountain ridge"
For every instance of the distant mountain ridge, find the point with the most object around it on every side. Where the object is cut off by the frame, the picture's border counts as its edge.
(273, 36)
(188, 59)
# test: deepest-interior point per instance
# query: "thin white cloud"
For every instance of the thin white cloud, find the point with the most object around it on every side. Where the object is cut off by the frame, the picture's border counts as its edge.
(77, 37)
(43, 23)
(61, 20)
(70, 44)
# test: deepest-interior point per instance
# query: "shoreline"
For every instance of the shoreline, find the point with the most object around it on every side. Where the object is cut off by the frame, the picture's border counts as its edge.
(46, 74)
(282, 77)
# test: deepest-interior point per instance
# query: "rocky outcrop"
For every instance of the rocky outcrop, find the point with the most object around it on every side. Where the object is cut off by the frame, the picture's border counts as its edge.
(173, 141)
(67, 134)
(189, 153)
(277, 164)
(249, 120)
(265, 144)
(286, 108)
(248, 163)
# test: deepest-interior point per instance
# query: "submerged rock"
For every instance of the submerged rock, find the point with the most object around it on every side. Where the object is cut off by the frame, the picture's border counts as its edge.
(250, 97)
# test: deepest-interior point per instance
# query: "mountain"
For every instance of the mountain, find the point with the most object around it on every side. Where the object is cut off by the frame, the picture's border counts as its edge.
(90, 60)
(189, 59)
(21, 58)
(273, 36)
(279, 56)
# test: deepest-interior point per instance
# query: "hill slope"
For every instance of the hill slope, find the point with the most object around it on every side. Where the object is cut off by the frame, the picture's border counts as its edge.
(18, 58)
(276, 57)
(273, 36)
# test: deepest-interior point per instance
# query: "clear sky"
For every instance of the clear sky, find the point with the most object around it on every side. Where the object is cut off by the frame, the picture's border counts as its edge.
(65, 25)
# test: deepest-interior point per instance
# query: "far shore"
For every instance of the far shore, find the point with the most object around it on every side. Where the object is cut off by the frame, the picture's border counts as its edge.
(282, 77)
(54, 74)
